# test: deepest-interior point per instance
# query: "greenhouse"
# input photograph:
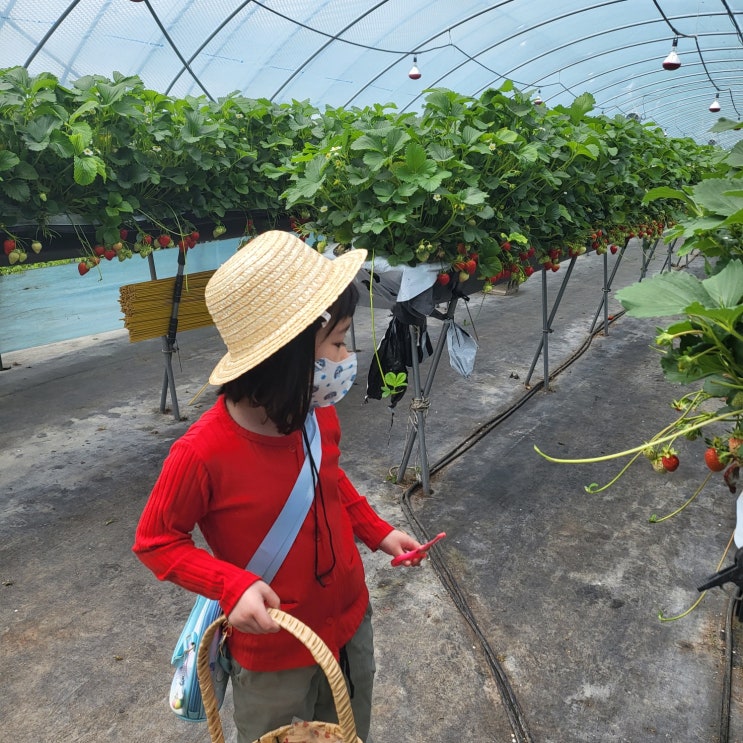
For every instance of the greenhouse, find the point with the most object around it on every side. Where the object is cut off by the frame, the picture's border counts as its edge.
(512, 234)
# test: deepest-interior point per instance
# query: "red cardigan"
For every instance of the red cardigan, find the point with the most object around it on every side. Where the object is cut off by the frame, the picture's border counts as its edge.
(233, 483)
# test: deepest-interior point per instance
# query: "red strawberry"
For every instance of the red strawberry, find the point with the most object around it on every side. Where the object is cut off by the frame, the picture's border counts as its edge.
(461, 248)
(83, 268)
(9, 246)
(443, 279)
(99, 250)
(529, 270)
(147, 239)
(109, 254)
(164, 241)
(712, 460)
(613, 249)
(670, 462)
(195, 236)
(123, 233)
(506, 246)
(470, 266)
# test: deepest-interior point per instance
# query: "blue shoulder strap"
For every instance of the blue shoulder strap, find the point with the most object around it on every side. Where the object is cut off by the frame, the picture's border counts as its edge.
(273, 549)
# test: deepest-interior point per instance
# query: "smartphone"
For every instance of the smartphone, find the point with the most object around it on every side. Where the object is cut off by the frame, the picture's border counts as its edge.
(420, 552)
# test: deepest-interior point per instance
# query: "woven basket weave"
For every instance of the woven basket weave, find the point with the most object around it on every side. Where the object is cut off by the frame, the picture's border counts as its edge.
(300, 732)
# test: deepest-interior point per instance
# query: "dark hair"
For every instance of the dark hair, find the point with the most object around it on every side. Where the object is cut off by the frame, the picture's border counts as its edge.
(282, 383)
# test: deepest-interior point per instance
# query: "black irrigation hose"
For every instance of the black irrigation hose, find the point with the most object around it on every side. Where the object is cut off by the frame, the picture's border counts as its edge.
(727, 683)
(516, 717)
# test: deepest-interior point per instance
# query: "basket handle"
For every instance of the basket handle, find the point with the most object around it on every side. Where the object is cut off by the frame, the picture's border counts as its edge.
(320, 652)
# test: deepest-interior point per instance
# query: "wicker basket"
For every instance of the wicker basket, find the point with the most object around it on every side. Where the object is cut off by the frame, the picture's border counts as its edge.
(301, 732)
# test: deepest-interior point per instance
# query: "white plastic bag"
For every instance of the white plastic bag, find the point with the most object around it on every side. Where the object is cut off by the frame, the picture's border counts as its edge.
(462, 349)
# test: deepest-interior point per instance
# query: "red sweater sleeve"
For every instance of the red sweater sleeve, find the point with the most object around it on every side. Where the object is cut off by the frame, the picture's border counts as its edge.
(368, 526)
(163, 541)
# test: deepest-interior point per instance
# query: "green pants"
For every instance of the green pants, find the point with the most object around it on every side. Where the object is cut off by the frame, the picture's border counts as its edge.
(265, 701)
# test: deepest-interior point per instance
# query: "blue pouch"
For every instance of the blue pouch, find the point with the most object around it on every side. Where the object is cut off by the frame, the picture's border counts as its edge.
(185, 692)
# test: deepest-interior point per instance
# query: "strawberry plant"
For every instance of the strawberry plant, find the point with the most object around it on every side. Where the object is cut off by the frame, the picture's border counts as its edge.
(495, 173)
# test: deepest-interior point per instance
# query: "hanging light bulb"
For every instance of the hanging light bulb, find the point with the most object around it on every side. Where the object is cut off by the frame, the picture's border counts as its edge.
(415, 73)
(672, 61)
(715, 105)
(538, 100)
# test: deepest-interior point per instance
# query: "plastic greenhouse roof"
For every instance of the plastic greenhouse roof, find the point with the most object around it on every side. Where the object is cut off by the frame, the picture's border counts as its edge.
(359, 52)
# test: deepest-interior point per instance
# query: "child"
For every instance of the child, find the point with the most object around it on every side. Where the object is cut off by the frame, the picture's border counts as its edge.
(283, 311)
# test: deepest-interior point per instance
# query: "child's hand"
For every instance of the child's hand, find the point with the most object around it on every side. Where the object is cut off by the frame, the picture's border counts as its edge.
(250, 615)
(397, 543)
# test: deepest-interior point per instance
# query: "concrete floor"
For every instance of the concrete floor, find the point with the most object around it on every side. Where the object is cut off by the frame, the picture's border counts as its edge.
(538, 619)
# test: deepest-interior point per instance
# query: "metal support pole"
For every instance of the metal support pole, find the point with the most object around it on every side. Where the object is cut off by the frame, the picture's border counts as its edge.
(419, 407)
(604, 304)
(647, 256)
(547, 323)
(423, 395)
(669, 257)
(169, 341)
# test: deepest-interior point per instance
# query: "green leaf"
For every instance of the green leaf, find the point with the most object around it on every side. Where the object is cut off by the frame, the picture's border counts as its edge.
(726, 317)
(735, 156)
(664, 192)
(374, 160)
(16, 190)
(415, 158)
(440, 152)
(26, 171)
(38, 132)
(86, 169)
(86, 107)
(80, 137)
(8, 160)
(726, 287)
(712, 194)
(470, 135)
(472, 196)
(506, 136)
(371, 142)
(663, 295)
(725, 125)
(384, 190)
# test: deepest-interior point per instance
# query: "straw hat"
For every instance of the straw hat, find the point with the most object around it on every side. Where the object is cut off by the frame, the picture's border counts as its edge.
(268, 293)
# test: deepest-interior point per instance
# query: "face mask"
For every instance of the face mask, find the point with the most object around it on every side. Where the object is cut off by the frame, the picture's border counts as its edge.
(332, 380)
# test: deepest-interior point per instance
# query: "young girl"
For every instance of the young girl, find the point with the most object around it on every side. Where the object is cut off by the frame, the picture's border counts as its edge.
(283, 311)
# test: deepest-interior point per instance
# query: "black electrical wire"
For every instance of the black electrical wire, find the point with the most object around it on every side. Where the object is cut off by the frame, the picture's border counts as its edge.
(727, 683)
(516, 716)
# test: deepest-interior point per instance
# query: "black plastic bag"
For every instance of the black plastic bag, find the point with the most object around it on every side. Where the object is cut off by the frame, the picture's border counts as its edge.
(394, 354)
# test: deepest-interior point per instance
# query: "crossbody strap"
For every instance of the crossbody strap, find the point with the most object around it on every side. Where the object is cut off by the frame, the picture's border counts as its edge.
(275, 546)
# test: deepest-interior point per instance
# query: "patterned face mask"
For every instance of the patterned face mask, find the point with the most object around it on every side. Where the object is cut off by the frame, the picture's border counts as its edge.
(333, 380)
